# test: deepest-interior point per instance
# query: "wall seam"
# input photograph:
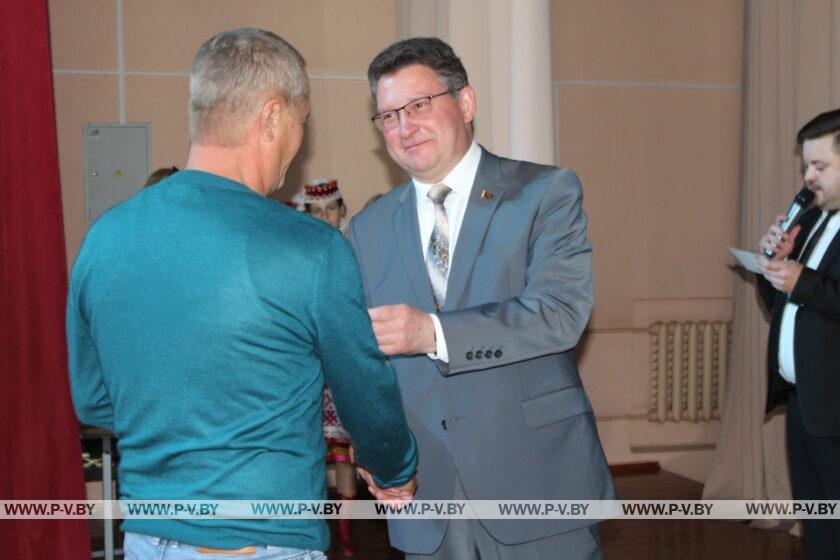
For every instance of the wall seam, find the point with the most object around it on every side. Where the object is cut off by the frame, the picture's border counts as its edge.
(120, 60)
(123, 72)
(650, 85)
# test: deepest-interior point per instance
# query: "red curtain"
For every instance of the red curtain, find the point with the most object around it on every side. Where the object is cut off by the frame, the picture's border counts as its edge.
(40, 456)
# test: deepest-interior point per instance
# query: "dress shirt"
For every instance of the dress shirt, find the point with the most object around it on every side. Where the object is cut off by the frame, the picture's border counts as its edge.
(787, 368)
(460, 180)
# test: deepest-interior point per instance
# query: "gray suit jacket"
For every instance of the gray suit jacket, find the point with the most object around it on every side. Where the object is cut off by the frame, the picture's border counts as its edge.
(508, 412)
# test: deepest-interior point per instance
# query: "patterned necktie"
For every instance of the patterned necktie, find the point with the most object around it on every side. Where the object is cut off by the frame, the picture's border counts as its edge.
(812, 243)
(437, 254)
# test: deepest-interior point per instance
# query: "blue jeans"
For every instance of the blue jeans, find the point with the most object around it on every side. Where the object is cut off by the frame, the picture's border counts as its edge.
(145, 547)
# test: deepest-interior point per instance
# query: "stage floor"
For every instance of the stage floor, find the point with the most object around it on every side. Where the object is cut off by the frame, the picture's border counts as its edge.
(624, 539)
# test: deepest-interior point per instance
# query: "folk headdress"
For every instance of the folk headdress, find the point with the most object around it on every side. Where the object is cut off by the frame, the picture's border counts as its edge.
(321, 190)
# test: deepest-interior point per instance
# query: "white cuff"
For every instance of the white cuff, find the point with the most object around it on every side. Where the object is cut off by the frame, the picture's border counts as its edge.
(442, 353)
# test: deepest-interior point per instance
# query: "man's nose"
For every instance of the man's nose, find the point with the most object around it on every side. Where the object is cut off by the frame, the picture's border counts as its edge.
(407, 125)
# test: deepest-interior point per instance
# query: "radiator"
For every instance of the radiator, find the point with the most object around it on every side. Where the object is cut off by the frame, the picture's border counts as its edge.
(688, 370)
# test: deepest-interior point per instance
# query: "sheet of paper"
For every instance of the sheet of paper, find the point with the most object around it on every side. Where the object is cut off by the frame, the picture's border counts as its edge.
(746, 259)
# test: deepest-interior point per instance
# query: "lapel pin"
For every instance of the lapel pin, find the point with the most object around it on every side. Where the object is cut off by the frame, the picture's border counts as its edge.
(487, 195)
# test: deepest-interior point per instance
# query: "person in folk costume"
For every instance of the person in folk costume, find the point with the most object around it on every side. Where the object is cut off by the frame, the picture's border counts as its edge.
(322, 199)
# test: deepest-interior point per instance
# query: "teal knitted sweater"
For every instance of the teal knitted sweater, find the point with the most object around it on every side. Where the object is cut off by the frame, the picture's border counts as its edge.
(202, 322)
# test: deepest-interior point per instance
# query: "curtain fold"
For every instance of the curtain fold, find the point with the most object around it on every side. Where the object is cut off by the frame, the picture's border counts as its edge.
(40, 456)
(792, 73)
(506, 47)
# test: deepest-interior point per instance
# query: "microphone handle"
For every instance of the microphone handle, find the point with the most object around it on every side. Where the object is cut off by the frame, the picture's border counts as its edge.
(792, 215)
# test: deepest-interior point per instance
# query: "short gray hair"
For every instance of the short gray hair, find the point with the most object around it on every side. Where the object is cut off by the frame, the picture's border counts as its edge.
(233, 74)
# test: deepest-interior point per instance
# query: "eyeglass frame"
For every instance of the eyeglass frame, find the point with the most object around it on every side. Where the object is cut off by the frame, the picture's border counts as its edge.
(381, 125)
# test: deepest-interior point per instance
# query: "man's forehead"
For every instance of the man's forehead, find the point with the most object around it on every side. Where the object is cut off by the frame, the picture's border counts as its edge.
(407, 83)
(819, 148)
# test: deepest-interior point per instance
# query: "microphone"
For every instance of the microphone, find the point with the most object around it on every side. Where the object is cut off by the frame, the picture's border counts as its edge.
(800, 203)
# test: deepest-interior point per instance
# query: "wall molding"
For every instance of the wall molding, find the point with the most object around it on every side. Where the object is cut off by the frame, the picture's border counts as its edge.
(85, 72)
(646, 85)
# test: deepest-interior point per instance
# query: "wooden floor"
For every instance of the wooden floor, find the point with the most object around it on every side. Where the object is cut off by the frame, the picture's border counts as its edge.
(633, 539)
(642, 539)
(687, 539)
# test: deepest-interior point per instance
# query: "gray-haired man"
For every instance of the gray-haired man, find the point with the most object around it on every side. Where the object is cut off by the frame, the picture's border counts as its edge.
(204, 318)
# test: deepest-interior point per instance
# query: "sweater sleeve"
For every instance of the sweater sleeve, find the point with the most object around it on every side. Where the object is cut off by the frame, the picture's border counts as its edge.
(362, 383)
(87, 385)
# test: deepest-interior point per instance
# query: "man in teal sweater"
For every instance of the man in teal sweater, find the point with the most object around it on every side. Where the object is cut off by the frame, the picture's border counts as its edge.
(203, 319)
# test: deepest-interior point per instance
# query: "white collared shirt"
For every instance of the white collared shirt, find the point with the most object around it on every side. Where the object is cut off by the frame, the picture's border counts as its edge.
(787, 367)
(460, 180)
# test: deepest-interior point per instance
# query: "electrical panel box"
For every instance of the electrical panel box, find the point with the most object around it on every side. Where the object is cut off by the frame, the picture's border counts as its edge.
(118, 159)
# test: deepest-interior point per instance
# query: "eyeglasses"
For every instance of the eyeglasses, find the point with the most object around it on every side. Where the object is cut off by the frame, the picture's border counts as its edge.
(389, 120)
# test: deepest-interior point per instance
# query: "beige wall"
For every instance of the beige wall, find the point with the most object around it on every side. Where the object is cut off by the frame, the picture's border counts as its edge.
(647, 105)
(160, 39)
(648, 111)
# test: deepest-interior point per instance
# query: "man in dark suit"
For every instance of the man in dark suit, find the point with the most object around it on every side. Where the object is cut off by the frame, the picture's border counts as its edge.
(479, 274)
(801, 288)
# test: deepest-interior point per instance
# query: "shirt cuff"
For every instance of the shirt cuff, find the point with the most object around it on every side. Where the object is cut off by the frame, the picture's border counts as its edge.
(442, 353)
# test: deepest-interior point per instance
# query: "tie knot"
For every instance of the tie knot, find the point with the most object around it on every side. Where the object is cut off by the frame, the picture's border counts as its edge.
(438, 193)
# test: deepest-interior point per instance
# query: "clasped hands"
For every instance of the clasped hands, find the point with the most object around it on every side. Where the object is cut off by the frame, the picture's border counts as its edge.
(780, 272)
(395, 496)
(399, 329)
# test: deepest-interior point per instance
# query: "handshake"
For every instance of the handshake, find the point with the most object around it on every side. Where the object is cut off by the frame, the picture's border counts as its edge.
(395, 496)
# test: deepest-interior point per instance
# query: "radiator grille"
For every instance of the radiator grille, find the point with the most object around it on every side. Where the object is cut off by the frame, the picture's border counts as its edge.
(688, 370)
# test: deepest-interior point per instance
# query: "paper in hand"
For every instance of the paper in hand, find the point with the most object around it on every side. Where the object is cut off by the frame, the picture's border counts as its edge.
(746, 259)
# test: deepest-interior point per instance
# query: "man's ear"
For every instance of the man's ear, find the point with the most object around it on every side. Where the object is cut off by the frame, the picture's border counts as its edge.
(270, 118)
(466, 101)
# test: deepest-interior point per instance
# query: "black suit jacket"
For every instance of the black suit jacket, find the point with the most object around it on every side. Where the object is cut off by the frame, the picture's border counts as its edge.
(816, 338)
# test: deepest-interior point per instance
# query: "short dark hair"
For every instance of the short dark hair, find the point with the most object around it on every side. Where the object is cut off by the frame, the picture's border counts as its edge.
(819, 126)
(159, 175)
(428, 51)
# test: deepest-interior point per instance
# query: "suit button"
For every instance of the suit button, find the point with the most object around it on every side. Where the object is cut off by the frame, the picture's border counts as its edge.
(469, 355)
(479, 354)
(488, 354)
(498, 354)
(443, 424)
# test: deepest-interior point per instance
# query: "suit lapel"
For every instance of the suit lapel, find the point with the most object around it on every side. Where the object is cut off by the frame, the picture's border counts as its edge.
(486, 192)
(830, 254)
(407, 234)
(808, 222)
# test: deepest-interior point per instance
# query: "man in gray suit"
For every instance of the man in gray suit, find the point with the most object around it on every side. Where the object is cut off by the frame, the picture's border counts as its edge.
(479, 276)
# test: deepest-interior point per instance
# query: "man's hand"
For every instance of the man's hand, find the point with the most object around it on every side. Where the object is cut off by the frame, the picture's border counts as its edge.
(402, 329)
(396, 496)
(783, 275)
(777, 241)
